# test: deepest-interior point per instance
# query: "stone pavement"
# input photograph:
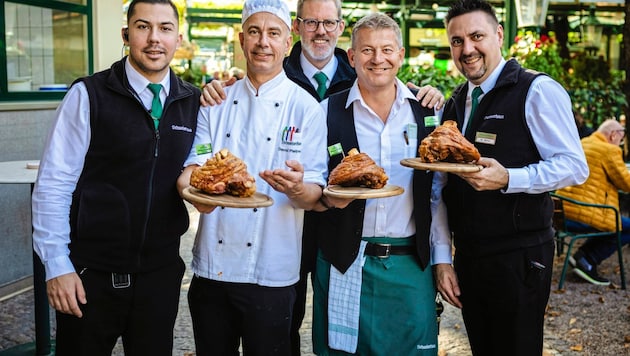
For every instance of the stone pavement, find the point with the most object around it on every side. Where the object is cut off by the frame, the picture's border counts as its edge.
(17, 319)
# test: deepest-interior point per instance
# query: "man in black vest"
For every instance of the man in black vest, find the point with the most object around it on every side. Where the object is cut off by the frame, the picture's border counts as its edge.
(500, 217)
(373, 269)
(107, 216)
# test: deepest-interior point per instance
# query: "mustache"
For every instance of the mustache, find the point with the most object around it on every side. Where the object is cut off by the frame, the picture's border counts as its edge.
(464, 57)
(154, 49)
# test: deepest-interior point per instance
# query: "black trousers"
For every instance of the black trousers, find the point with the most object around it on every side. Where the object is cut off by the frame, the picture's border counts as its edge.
(143, 314)
(504, 297)
(223, 313)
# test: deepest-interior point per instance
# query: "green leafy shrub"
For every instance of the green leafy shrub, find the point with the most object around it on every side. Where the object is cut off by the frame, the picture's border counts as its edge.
(595, 90)
(538, 53)
(429, 75)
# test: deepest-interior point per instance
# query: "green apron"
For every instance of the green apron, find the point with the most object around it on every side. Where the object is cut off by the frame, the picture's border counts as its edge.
(397, 315)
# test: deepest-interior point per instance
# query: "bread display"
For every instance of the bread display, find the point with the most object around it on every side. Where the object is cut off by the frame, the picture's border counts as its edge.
(224, 173)
(358, 170)
(447, 144)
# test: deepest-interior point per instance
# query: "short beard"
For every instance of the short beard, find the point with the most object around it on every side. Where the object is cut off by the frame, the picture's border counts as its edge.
(477, 74)
(318, 57)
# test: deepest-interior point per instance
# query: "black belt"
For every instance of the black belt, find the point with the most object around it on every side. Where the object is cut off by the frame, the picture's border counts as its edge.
(384, 250)
(121, 280)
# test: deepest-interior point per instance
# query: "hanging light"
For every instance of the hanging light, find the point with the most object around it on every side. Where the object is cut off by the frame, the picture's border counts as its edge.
(531, 13)
(591, 32)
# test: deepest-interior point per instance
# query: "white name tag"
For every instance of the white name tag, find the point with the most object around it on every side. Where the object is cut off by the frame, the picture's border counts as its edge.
(487, 138)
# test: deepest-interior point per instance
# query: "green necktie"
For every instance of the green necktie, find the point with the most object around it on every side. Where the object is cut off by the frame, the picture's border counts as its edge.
(321, 78)
(475, 101)
(156, 105)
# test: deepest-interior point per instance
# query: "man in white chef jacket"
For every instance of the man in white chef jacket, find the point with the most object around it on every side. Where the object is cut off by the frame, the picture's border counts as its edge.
(246, 260)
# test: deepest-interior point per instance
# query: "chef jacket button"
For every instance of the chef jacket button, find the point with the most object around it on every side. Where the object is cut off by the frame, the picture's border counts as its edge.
(249, 244)
(268, 138)
(255, 209)
(235, 102)
(228, 134)
(277, 104)
(220, 241)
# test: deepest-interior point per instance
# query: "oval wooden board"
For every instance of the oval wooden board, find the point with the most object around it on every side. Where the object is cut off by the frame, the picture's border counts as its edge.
(416, 163)
(258, 200)
(337, 191)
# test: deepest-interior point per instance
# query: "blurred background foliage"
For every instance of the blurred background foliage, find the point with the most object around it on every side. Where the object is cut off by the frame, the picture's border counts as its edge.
(429, 75)
(595, 90)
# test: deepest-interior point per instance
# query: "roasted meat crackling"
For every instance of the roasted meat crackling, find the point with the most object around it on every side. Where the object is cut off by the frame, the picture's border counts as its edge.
(224, 173)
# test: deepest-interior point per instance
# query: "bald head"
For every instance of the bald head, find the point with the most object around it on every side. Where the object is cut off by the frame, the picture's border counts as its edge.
(613, 131)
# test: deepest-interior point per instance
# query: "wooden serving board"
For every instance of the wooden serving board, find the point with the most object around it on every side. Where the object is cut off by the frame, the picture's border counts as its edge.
(258, 200)
(416, 163)
(337, 191)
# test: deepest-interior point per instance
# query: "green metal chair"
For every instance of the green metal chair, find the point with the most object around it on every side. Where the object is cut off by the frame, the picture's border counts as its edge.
(565, 237)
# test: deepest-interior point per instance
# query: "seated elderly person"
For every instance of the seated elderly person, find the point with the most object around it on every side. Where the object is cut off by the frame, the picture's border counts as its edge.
(608, 174)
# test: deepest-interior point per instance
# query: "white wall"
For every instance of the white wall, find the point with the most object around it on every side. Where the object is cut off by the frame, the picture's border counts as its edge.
(108, 21)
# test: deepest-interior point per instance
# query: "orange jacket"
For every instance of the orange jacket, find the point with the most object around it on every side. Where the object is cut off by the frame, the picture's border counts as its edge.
(608, 174)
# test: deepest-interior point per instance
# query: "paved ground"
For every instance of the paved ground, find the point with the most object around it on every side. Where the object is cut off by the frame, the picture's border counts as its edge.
(16, 321)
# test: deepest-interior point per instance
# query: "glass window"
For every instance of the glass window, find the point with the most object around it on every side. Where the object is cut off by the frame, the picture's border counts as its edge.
(46, 48)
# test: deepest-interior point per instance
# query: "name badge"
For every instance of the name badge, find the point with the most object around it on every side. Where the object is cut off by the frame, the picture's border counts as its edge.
(431, 121)
(203, 148)
(487, 138)
(335, 149)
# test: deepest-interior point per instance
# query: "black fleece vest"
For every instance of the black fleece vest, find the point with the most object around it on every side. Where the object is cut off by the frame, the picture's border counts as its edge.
(126, 214)
(340, 230)
(491, 218)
